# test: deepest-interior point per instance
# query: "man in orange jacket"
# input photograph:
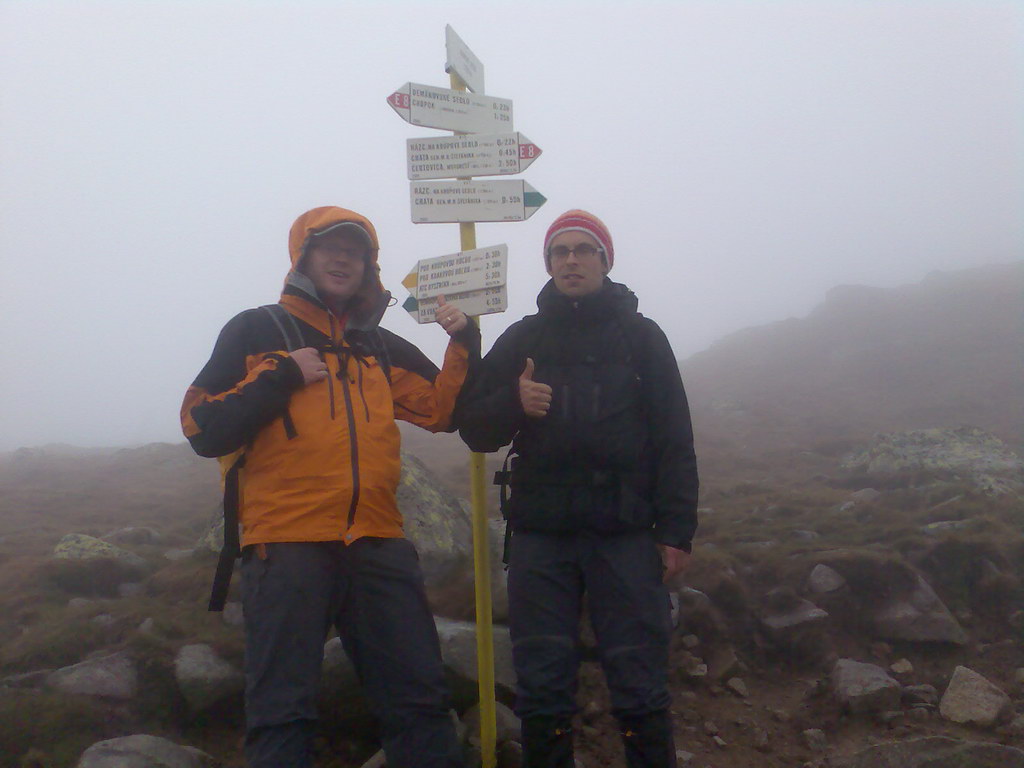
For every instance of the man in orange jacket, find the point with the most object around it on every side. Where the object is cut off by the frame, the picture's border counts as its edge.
(303, 396)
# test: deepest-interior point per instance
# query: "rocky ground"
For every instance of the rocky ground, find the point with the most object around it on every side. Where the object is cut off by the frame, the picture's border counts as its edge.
(875, 603)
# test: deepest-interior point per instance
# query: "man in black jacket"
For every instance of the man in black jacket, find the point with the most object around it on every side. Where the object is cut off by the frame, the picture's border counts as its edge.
(603, 494)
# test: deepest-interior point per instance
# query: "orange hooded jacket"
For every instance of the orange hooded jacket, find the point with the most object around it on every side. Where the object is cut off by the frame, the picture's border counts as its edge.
(321, 462)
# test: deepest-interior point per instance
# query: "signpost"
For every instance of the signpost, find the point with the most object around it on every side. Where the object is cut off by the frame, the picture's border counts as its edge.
(482, 302)
(458, 272)
(477, 154)
(473, 279)
(473, 200)
(462, 61)
(451, 110)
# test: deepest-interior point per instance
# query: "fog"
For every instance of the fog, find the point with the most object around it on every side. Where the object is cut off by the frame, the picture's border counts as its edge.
(746, 157)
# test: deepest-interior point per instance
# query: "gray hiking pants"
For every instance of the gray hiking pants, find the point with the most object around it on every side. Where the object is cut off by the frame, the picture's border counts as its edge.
(372, 592)
(620, 577)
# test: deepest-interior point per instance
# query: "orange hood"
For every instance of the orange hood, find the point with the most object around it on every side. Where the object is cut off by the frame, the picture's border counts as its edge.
(369, 303)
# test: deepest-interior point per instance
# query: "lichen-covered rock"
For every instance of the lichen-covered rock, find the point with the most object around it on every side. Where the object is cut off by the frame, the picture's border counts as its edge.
(133, 535)
(936, 752)
(143, 751)
(435, 522)
(78, 546)
(971, 698)
(966, 452)
(864, 687)
(113, 677)
(204, 678)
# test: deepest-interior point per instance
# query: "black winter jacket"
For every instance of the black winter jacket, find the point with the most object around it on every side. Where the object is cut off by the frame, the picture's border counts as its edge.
(615, 452)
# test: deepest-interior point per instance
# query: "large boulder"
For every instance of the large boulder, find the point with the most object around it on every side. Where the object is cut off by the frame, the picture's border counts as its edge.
(861, 687)
(971, 698)
(112, 677)
(936, 752)
(966, 452)
(204, 678)
(143, 751)
(78, 546)
(458, 649)
(918, 616)
(435, 522)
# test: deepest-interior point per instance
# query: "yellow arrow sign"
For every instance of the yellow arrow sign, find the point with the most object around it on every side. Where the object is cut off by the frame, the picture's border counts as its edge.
(411, 280)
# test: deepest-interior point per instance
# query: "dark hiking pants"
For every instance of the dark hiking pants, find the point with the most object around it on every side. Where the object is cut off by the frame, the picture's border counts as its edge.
(620, 575)
(372, 591)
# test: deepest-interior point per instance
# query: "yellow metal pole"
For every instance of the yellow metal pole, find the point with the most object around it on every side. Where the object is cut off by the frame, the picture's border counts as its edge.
(481, 561)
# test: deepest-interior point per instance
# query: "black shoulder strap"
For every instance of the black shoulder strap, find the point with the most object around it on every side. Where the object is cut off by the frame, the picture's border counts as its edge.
(232, 547)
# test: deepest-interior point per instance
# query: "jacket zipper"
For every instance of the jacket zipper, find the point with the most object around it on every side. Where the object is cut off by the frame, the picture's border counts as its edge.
(353, 443)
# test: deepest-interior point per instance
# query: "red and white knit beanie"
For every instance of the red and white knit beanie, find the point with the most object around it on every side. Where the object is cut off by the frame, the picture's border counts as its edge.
(580, 221)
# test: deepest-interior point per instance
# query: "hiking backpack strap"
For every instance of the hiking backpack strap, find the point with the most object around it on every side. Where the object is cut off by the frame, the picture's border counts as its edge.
(284, 321)
(501, 479)
(231, 548)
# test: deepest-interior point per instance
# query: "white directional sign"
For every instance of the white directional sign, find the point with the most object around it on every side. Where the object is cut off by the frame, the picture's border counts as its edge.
(477, 154)
(462, 61)
(458, 272)
(451, 201)
(483, 302)
(451, 110)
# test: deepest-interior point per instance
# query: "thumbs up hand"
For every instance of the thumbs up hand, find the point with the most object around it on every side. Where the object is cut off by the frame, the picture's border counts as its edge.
(534, 396)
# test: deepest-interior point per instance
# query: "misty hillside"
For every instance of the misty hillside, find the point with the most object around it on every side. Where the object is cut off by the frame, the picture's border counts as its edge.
(943, 352)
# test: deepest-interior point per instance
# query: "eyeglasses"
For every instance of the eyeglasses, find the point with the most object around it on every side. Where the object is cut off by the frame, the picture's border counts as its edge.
(582, 251)
(337, 250)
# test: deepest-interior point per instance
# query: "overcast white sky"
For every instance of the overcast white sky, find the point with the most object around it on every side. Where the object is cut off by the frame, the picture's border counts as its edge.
(747, 157)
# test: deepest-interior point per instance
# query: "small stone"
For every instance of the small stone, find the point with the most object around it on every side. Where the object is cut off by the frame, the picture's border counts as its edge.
(232, 614)
(78, 603)
(824, 579)
(691, 716)
(720, 741)
(902, 667)
(919, 714)
(691, 641)
(761, 740)
(737, 686)
(697, 671)
(710, 728)
(175, 555)
(815, 739)
(683, 757)
(688, 698)
(130, 589)
(891, 717)
(779, 715)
